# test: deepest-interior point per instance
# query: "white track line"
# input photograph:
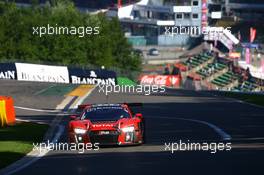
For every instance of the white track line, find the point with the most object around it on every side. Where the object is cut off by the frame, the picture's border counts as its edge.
(41, 154)
(43, 90)
(58, 134)
(247, 103)
(34, 121)
(54, 140)
(218, 130)
(239, 101)
(36, 110)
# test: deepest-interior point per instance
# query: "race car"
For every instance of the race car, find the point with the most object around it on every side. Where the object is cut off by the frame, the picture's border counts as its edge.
(107, 124)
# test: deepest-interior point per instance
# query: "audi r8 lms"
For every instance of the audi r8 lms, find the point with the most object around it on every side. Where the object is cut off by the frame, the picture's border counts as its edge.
(107, 124)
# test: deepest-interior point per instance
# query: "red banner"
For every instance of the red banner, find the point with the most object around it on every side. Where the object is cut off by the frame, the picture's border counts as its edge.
(161, 80)
(253, 33)
(119, 5)
(204, 14)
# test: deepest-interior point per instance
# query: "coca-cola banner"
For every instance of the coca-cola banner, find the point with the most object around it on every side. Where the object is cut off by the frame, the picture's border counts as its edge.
(161, 80)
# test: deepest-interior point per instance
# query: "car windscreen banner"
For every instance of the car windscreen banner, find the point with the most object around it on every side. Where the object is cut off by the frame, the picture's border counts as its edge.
(42, 73)
(161, 80)
(8, 71)
(93, 77)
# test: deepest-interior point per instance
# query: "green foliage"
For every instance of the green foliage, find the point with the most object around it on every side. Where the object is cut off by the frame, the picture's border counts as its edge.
(17, 42)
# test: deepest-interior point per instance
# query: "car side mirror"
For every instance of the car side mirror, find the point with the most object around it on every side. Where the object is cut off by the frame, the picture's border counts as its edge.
(73, 117)
(139, 115)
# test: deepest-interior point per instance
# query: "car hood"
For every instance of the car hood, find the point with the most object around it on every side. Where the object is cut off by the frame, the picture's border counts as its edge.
(111, 125)
(103, 125)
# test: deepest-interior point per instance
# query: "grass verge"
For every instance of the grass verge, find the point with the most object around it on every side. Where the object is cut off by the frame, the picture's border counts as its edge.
(125, 81)
(16, 141)
(257, 99)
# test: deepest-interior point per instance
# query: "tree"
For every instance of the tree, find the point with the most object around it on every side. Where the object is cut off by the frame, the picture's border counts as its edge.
(17, 41)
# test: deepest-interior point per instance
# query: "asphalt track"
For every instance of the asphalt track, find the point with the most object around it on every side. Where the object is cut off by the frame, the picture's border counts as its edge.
(31, 102)
(170, 117)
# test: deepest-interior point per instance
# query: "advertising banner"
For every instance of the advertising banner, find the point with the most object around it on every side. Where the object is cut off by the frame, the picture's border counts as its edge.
(42, 73)
(161, 80)
(7, 71)
(204, 14)
(93, 77)
(253, 33)
(247, 55)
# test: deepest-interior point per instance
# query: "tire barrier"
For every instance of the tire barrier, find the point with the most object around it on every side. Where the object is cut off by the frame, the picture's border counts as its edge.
(7, 111)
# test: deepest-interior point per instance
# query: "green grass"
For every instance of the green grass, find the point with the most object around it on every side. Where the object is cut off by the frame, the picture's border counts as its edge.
(257, 99)
(16, 141)
(125, 81)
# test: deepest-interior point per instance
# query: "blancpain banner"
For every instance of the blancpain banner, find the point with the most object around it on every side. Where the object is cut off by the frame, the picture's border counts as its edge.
(7, 71)
(83, 80)
(92, 76)
(42, 73)
(7, 75)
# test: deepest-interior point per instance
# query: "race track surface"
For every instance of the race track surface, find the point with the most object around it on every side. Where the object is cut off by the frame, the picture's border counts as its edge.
(176, 115)
(29, 97)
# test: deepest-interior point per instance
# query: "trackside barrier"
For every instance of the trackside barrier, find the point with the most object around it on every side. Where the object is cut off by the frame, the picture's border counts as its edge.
(7, 111)
(3, 118)
(56, 74)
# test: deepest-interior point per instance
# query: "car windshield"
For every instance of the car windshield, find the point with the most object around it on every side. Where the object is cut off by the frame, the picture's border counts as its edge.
(105, 113)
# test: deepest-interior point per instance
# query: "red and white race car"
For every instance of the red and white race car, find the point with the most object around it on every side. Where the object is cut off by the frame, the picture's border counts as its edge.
(107, 124)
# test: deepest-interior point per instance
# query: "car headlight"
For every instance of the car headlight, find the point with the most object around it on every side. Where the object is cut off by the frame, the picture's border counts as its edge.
(128, 129)
(79, 131)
